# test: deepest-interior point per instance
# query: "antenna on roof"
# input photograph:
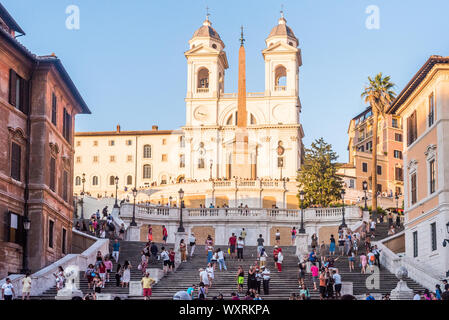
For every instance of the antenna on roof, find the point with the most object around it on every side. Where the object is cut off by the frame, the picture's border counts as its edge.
(207, 13)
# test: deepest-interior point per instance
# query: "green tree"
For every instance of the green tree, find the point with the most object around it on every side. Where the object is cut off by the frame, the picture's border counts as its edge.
(379, 95)
(318, 175)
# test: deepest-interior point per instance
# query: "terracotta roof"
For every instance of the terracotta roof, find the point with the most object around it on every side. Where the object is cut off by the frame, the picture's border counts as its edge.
(345, 165)
(282, 29)
(416, 81)
(127, 133)
(10, 22)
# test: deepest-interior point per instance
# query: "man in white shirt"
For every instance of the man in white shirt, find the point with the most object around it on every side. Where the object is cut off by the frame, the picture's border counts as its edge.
(204, 278)
(8, 290)
(166, 259)
(266, 280)
(192, 243)
(337, 282)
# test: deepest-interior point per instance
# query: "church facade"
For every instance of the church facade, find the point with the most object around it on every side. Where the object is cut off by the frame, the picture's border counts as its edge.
(243, 136)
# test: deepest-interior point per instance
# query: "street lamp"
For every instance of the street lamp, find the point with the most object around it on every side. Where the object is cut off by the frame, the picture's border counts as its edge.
(365, 188)
(211, 162)
(181, 205)
(397, 202)
(446, 241)
(83, 180)
(133, 221)
(116, 188)
(301, 197)
(26, 228)
(343, 223)
(169, 201)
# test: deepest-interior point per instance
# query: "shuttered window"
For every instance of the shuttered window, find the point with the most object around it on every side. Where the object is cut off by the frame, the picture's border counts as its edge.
(53, 174)
(433, 235)
(16, 155)
(412, 133)
(415, 244)
(18, 92)
(64, 241)
(67, 126)
(14, 228)
(65, 185)
(51, 226)
(53, 109)
(413, 187)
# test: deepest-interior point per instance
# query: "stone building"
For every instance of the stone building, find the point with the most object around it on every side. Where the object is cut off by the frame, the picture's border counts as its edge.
(423, 106)
(38, 104)
(262, 129)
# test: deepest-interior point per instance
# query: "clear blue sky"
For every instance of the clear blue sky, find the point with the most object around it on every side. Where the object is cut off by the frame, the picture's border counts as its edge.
(127, 58)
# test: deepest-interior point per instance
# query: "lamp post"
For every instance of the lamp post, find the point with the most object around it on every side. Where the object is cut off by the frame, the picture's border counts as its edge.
(83, 180)
(397, 202)
(210, 175)
(181, 205)
(343, 223)
(301, 197)
(365, 188)
(133, 221)
(116, 188)
(26, 228)
(169, 201)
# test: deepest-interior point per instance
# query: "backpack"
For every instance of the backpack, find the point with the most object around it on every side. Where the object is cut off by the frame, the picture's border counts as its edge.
(372, 258)
(201, 296)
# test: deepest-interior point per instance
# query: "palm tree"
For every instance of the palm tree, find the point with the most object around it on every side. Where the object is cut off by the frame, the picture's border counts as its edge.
(379, 95)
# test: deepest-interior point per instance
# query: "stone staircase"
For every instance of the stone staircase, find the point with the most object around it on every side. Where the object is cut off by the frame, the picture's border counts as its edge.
(225, 282)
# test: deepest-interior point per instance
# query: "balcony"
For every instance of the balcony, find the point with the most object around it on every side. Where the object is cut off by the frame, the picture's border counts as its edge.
(202, 90)
(280, 88)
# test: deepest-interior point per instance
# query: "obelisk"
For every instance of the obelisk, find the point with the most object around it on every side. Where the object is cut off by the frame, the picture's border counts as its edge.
(241, 163)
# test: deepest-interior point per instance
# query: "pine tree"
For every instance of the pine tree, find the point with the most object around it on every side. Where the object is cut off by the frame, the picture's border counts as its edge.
(318, 175)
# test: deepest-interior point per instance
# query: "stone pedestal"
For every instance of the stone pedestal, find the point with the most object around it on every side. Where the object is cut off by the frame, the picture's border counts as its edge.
(133, 234)
(135, 288)
(155, 273)
(347, 288)
(68, 294)
(178, 237)
(365, 216)
(302, 243)
(104, 296)
(402, 291)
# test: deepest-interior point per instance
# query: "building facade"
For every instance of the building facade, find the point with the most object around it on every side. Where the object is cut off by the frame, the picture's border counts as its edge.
(389, 153)
(38, 104)
(424, 107)
(205, 148)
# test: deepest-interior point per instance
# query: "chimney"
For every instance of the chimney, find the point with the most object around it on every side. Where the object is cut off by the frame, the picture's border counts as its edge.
(118, 128)
(155, 128)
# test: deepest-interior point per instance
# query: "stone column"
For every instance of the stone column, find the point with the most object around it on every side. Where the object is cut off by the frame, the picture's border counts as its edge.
(178, 237)
(133, 233)
(402, 291)
(365, 216)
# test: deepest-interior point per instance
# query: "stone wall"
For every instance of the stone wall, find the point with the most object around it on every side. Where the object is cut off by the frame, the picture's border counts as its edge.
(397, 245)
(324, 234)
(286, 236)
(80, 243)
(10, 258)
(201, 233)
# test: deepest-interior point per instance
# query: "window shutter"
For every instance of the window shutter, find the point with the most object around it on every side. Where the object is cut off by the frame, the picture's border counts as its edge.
(16, 154)
(12, 87)
(53, 109)
(25, 96)
(52, 173)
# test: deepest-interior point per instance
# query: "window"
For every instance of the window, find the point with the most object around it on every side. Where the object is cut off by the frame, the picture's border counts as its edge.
(364, 167)
(52, 183)
(65, 185)
(67, 126)
(201, 163)
(398, 154)
(182, 142)
(111, 158)
(95, 159)
(432, 176)
(415, 244)
(53, 109)
(77, 181)
(51, 226)
(78, 159)
(111, 180)
(147, 151)
(203, 80)
(164, 179)
(431, 110)
(14, 230)
(362, 148)
(16, 157)
(111, 143)
(164, 141)
(164, 157)
(182, 161)
(280, 162)
(18, 92)
(280, 78)
(78, 143)
(95, 143)
(64, 241)
(351, 183)
(369, 146)
(129, 180)
(413, 187)
(95, 181)
(379, 170)
(129, 158)
(412, 133)
(398, 175)
(129, 142)
(394, 123)
(147, 171)
(398, 137)
(379, 188)
(433, 235)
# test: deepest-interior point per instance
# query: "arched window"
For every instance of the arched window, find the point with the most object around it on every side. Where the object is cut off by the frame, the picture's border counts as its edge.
(147, 151)
(95, 181)
(111, 180)
(203, 80)
(77, 181)
(230, 120)
(280, 76)
(129, 180)
(182, 142)
(252, 119)
(164, 179)
(147, 171)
